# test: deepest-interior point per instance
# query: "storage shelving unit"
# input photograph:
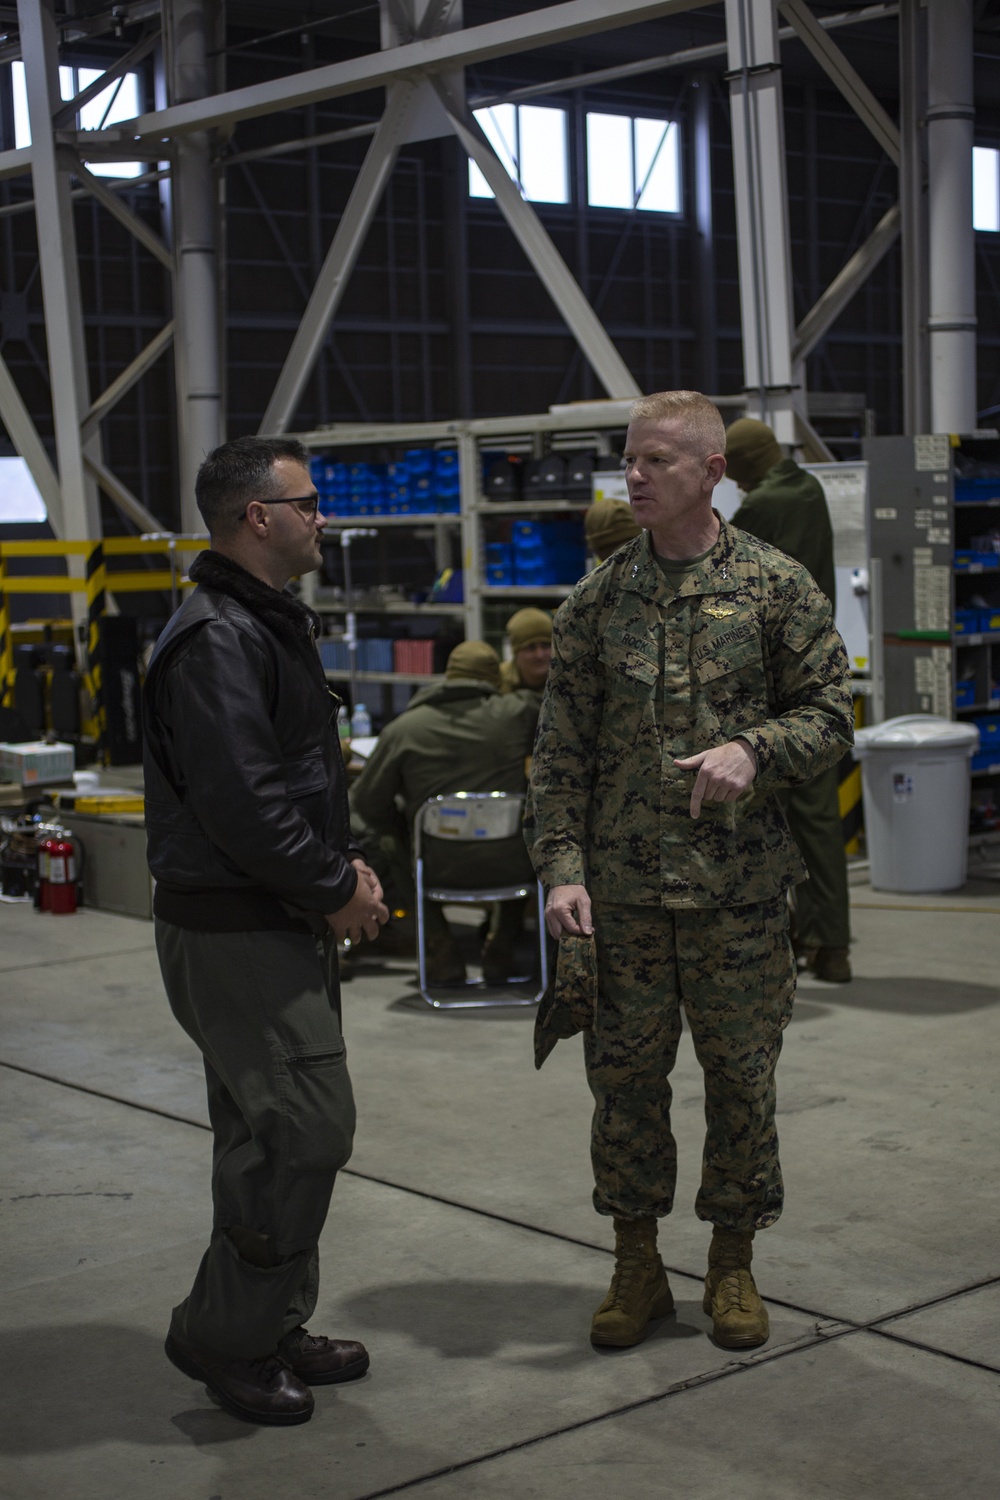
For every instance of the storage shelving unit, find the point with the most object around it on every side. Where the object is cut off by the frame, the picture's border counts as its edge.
(598, 425)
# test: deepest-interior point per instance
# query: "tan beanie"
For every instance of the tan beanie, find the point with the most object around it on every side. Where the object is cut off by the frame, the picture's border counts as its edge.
(609, 525)
(527, 627)
(474, 659)
(751, 449)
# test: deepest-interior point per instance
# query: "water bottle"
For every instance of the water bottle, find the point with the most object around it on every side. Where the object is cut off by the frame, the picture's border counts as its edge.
(361, 722)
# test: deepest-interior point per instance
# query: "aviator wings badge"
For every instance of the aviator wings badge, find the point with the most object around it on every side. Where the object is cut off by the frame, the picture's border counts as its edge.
(719, 611)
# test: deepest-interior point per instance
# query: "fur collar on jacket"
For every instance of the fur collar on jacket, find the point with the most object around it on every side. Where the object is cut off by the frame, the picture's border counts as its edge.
(280, 612)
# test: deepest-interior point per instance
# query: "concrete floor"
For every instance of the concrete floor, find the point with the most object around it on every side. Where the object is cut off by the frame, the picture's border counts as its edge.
(462, 1247)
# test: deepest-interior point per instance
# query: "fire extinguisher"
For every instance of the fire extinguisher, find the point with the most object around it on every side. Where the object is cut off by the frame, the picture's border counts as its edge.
(62, 875)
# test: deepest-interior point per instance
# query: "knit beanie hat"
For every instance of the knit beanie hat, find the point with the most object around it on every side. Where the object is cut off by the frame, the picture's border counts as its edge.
(751, 449)
(474, 659)
(527, 627)
(609, 525)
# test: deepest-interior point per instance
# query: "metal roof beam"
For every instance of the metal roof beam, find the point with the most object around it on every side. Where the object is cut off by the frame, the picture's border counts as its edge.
(846, 283)
(835, 65)
(115, 70)
(525, 32)
(581, 320)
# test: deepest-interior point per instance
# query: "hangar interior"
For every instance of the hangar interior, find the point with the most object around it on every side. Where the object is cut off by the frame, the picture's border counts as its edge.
(224, 218)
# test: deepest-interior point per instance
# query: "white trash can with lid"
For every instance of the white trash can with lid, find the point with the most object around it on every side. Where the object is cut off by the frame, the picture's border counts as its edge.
(915, 789)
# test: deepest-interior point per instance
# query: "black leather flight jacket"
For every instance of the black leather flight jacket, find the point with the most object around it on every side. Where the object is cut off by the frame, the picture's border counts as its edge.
(247, 818)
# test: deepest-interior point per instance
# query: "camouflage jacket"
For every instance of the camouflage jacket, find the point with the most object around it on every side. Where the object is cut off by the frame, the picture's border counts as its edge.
(640, 676)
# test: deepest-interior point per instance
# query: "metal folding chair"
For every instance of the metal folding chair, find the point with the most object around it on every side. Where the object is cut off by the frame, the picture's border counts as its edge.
(467, 818)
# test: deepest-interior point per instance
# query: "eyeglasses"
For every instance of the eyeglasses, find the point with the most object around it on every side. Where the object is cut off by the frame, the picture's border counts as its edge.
(312, 501)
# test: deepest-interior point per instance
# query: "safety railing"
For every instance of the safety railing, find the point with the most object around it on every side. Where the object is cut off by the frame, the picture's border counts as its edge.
(97, 582)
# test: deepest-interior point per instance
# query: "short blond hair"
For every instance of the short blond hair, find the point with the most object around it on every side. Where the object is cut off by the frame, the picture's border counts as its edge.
(702, 419)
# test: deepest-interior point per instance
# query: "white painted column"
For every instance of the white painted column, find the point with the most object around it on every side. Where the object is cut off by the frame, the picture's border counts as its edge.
(774, 385)
(951, 321)
(80, 516)
(197, 355)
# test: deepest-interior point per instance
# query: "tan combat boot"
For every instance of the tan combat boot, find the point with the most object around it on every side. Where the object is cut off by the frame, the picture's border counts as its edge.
(739, 1317)
(639, 1289)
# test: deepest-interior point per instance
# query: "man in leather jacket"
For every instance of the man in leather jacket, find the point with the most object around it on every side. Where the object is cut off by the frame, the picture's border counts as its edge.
(256, 877)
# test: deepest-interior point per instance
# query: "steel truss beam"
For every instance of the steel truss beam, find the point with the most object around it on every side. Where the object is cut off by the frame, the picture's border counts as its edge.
(839, 70)
(451, 50)
(15, 163)
(846, 283)
(683, 59)
(660, 64)
(127, 503)
(147, 237)
(341, 257)
(129, 377)
(584, 324)
(116, 70)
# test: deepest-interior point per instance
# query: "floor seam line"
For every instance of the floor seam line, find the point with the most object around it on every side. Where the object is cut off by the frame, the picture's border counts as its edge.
(850, 1324)
(77, 958)
(81, 1088)
(962, 1359)
(973, 1286)
(708, 1377)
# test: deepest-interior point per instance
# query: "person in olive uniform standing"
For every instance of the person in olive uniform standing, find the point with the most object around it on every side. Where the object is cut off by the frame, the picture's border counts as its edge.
(694, 674)
(257, 877)
(459, 735)
(786, 506)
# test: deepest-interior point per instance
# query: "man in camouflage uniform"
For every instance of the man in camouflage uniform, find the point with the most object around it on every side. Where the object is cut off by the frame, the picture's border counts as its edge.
(694, 673)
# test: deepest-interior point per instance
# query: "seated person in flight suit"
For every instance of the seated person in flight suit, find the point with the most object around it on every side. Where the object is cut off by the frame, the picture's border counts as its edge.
(459, 735)
(529, 632)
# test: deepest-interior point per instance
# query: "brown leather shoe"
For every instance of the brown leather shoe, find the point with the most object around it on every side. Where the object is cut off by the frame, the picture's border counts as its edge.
(321, 1361)
(257, 1390)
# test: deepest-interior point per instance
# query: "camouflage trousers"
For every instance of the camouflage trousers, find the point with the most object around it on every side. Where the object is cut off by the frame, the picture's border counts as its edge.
(732, 970)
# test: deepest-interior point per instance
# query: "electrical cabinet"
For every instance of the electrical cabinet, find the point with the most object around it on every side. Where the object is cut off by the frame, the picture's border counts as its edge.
(935, 530)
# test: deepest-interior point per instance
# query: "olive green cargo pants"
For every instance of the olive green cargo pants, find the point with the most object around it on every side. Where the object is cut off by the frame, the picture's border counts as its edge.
(822, 901)
(732, 971)
(263, 1008)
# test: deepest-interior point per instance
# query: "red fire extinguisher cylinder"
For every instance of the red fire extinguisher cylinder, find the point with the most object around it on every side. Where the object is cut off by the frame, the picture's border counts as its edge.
(62, 876)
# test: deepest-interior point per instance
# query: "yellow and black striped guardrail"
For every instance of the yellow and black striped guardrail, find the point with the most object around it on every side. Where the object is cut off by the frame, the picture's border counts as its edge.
(850, 790)
(98, 581)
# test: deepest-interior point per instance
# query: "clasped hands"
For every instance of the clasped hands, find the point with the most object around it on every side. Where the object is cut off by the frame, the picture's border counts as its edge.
(724, 774)
(366, 911)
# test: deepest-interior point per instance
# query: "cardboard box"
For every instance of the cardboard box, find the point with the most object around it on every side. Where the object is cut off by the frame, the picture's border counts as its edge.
(36, 764)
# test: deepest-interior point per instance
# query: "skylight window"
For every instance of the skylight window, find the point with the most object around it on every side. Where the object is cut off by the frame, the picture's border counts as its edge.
(119, 101)
(633, 163)
(986, 188)
(531, 143)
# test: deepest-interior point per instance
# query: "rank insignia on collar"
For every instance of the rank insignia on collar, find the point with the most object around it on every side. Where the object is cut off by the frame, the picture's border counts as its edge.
(719, 611)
